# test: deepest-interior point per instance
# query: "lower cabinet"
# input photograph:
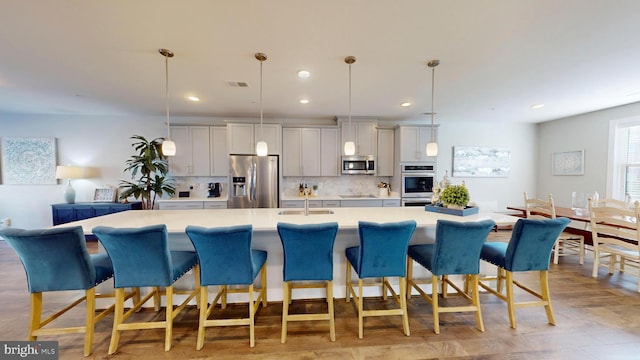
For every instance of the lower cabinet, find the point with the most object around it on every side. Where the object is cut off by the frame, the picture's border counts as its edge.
(64, 213)
(190, 205)
(299, 204)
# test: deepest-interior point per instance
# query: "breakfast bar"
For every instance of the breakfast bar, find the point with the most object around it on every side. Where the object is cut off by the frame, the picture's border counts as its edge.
(265, 235)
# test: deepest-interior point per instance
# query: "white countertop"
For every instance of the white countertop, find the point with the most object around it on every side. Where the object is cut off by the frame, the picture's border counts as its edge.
(267, 219)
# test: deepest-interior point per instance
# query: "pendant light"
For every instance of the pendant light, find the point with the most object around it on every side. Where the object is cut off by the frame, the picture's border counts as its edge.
(168, 146)
(432, 147)
(349, 145)
(261, 146)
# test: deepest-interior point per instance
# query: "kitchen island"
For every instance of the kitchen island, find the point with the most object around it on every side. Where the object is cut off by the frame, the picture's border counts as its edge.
(265, 236)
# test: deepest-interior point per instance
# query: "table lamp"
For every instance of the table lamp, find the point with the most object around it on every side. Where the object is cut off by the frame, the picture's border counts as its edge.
(70, 172)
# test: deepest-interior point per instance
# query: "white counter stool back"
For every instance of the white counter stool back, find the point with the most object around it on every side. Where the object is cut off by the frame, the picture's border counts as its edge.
(308, 263)
(382, 253)
(141, 258)
(455, 252)
(226, 258)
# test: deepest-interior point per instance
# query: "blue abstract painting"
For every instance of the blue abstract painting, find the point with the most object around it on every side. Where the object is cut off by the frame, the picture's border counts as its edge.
(29, 161)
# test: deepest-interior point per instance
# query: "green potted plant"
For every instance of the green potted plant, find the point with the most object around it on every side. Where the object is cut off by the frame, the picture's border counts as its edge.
(149, 168)
(455, 196)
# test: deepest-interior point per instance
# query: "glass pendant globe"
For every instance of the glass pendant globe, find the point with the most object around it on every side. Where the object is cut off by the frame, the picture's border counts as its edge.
(261, 148)
(432, 149)
(349, 148)
(168, 148)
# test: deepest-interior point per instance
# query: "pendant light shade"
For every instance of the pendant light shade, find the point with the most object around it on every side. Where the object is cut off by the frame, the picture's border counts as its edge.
(168, 146)
(349, 145)
(432, 146)
(261, 146)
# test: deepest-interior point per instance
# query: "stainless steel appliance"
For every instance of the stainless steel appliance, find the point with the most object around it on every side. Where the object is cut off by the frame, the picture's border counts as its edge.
(254, 181)
(417, 183)
(359, 165)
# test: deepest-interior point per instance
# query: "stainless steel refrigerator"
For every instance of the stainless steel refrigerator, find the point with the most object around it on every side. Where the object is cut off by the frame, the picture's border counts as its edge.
(254, 181)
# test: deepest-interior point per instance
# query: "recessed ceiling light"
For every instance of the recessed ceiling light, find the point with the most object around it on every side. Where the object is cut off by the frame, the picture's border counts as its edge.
(304, 101)
(405, 104)
(537, 106)
(193, 98)
(303, 74)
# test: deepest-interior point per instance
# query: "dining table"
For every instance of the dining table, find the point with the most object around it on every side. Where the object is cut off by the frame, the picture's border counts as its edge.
(580, 218)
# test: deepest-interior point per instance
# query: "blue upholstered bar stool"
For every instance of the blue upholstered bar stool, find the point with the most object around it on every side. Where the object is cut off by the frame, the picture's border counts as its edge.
(456, 251)
(226, 258)
(57, 260)
(528, 250)
(382, 253)
(141, 258)
(308, 258)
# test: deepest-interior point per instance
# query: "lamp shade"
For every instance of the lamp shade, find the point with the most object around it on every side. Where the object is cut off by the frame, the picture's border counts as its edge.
(432, 149)
(70, 172)
(261, 148)
(168, 148)
(349, 148)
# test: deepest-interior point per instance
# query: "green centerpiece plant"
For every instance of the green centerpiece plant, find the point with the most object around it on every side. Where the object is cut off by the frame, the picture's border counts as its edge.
(149, 168)
(455, 196)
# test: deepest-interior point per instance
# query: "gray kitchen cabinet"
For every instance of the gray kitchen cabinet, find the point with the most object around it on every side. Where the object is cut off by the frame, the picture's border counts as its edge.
(411, 142)
(330, 203)
(363, 133)
(329, 152)
(180, 205)
(292, 204)
(218, 151)
(242, 138)
(301, 155)
(391, 203)
(192, 151)
(361, 203)
(385, 152)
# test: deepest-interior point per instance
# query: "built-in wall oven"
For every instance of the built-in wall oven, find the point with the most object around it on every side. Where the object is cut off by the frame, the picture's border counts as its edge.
(417, 183)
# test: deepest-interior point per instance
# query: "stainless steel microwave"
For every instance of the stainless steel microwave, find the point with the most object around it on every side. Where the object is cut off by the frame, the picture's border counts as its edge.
(359, 165)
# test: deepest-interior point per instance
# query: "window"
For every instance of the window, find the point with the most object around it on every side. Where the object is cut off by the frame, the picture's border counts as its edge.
(627, 162)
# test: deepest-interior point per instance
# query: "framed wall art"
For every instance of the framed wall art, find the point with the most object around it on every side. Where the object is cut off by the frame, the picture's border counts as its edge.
(481, 161)
(29, 161)
(567, 163)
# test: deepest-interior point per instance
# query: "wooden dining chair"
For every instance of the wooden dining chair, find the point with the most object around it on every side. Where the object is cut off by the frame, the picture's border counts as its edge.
(567, 243)
(615, 237)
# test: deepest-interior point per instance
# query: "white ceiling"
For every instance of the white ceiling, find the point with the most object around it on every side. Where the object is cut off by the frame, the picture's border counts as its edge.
(497, 57)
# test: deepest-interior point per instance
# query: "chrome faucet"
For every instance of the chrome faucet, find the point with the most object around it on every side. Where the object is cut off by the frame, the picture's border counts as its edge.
(306, 202)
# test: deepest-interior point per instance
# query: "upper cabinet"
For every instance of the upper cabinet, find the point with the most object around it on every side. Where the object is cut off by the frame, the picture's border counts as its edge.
(242, 138)
(411, 142)
(192, 151)
(385, 152)
(218, 150)
(363, 133)
(309, 152)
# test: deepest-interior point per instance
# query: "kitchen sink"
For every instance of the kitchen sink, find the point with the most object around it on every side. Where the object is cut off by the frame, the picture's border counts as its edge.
(369, 196)
(301, 212)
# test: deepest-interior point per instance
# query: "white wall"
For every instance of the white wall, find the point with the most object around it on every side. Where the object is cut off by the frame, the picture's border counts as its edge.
(493, 194)
(589, 132)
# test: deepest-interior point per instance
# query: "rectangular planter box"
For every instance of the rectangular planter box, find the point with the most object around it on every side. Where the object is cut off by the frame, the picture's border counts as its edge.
(444, 210)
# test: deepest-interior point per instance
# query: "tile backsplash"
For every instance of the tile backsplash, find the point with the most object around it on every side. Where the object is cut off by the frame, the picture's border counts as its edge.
(330, 185)
(338, 185)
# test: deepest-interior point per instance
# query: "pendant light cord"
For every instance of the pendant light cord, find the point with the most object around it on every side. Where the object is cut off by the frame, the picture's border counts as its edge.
(350, 127)
(261, 129)
(433, 82)
(166, 97)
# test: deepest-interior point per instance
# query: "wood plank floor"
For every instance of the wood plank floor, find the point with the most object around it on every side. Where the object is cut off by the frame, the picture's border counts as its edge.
(596, 319)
